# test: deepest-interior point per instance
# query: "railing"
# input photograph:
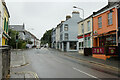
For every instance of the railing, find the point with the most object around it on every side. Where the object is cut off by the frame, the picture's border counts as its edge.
(5, 56)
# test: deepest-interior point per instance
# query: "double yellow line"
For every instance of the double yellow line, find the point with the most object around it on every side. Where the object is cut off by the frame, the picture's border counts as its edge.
(28, 72)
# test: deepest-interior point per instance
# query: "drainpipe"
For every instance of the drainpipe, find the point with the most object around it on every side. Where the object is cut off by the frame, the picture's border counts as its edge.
(116, 26)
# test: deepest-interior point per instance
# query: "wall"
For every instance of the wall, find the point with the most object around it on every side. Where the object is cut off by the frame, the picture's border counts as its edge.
(105, 27)
(72, 27)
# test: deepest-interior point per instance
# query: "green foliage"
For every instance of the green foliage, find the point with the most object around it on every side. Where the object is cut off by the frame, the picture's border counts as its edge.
(46, 37)
(20, 44)
(12, 41)
(30, 42)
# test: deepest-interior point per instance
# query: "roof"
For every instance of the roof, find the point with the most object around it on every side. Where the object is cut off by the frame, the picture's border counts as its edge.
(31, 34)
(6, 9)
(17, 27)
(110, 4)
(86, 18)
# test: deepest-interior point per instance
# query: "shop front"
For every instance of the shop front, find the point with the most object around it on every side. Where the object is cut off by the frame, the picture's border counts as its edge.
(85, 44)
(106, 46)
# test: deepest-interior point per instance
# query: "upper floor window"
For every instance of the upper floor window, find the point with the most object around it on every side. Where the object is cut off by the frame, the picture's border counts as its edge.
(61, 28)
(88, 24)
(100, 22)
(82, 28)
(66, 27)
(110, 18)
(61, 37)
(66, 36)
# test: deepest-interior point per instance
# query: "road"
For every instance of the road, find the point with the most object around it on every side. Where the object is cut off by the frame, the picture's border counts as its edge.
(49, 63)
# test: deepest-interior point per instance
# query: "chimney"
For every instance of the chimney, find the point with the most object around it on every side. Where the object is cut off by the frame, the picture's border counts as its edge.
(62, 21)
(75, 14)
(111, 2)
(68, 17)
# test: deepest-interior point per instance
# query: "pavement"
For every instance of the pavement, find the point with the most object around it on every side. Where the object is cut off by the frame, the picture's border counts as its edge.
(18, 59)
(113, 62)
(51, 64)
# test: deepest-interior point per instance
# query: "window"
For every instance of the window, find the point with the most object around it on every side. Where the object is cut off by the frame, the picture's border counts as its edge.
(66, 36)
(73, 45)
(61, 28)
(80, 45)
(100, 22)
(88, 24)
(85, 41)
(110, 18)
(61, 37)
(82, 28)
(89, 43)
(66, 27)
(4, 24)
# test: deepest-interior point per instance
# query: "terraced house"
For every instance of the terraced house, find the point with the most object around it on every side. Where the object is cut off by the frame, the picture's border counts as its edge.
(105, 28)
(85, 34)
(69, 31)
(5, 23)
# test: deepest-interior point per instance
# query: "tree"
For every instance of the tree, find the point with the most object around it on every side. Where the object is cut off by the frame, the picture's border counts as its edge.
(46, 38)
(12, 41)
(21, 44)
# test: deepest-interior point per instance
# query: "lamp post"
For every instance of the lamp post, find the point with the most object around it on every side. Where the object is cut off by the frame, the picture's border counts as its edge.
(83, 26)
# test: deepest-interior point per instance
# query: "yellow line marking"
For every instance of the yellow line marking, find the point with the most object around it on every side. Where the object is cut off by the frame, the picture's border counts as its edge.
(27, 72)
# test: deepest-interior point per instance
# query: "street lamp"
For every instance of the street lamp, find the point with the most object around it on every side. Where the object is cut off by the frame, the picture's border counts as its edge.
(83, 25)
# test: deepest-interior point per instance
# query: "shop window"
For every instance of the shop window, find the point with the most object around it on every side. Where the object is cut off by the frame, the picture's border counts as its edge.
(89, 42)
(88, 24)
(73, 45)
(108, 40)
(110, 18)
(66, 27)
(100, 22)
(85, 41)
(80, 45)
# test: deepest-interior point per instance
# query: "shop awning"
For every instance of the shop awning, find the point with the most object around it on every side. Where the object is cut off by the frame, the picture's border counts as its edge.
(6, 36)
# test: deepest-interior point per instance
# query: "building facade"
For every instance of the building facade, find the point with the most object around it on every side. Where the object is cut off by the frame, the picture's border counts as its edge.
(119, 29)
(58, 36)
(53, 38)
(1, 17)
(105, 29)
(85, 34)
(68, 33)
(20, 29)
(5, 23)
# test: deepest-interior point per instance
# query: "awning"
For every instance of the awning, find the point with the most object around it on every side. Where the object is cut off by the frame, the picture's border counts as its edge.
(6, 36)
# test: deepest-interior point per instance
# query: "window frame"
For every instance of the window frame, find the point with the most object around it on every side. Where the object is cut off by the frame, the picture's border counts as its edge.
(66, 27)
(110, 18)
(100, 22)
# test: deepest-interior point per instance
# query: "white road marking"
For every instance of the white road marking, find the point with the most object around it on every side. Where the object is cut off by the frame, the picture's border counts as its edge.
(86, 73)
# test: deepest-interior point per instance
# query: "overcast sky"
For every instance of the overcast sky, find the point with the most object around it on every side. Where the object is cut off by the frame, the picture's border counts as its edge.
(42, 15)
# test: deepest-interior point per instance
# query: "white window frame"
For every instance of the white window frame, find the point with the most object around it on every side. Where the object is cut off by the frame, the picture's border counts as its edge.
(88, 25)
(110, 21)
(66, 36)
(66, 27)
(100, 22)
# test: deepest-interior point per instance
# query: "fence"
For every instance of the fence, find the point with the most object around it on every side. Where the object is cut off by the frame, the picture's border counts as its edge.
(5, 56)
